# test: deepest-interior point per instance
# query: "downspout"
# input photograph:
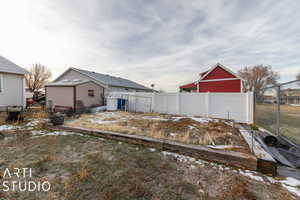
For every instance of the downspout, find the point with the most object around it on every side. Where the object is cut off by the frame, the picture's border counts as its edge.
(23, 91)
(74, 98)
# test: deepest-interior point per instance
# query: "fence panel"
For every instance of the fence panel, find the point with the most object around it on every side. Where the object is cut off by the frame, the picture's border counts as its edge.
(193, 104)
(236, 106)
(266, 109)
(233, 106)
(277, 109)
(290, 111)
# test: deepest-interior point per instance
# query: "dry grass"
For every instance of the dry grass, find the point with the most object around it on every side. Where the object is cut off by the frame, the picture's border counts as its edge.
(185, 130)
(87, 168)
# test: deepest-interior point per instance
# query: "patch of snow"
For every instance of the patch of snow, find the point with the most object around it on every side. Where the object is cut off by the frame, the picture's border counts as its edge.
(108, 114)
(180, 158)
(191, 127)
(55, 133)
(34, 122)
(293, 190)
(100, 121)
(6, 127)
(173, 134)
(221, 146)
(35, 133)
(291, 182)
(178, 118)
(152, 149)
(98, 109)
(201, 120)
(155, 118)
(197, 119)
(251, 175)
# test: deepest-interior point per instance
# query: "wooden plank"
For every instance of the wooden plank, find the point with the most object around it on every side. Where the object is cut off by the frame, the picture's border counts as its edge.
(231, 158)
(135, 139)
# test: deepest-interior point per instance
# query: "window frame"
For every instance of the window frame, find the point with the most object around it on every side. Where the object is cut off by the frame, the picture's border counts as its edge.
(91, 93)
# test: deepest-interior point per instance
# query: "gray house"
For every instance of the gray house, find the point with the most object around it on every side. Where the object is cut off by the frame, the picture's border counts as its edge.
(12, 84)
(77, 88)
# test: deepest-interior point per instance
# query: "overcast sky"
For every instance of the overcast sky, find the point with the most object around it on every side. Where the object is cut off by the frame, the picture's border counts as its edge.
(165, 42)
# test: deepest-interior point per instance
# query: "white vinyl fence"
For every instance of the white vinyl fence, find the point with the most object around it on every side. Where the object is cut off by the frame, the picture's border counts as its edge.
(234, 106)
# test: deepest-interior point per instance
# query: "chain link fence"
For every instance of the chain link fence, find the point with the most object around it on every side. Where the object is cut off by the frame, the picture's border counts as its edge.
(277, 110)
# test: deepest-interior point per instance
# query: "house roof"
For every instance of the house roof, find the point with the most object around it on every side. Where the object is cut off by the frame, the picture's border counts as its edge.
(10, 67)
(189, 85)
(67, 83)
(111, 80)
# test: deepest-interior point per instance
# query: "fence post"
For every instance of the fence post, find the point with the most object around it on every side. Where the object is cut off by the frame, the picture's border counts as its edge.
(153, 102)
(178, 99)
(208, 104)
(278, 111)
(248, 106)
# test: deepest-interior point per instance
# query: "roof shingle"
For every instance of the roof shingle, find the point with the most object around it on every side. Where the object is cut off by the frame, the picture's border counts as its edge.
(111, 80)
(10, 67)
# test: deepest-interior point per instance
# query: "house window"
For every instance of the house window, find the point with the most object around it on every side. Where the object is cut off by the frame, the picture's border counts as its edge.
(91, 93)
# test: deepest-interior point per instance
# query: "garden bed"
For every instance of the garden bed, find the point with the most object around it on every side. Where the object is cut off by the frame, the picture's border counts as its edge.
(214, 133)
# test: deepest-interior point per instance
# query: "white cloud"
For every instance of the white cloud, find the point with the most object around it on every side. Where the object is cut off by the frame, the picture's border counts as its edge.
(161, 41)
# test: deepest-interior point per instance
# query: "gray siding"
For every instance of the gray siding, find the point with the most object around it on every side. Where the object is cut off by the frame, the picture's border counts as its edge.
(60, 96)
(13, 90)
(82, 94)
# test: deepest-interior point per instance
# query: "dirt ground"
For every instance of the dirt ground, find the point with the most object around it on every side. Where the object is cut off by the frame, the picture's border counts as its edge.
(190, 130)
(83, 167)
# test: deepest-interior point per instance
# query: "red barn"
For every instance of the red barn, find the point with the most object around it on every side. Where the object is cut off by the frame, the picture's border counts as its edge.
(217, 79)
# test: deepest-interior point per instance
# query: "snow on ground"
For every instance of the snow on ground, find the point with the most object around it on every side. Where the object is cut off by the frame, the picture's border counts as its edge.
(101, 118)
(100, 121)
(291, 184)
(6, 127)
(41, 133)
(55, 133)
(173, 134)
(223, 146)
(155, 118)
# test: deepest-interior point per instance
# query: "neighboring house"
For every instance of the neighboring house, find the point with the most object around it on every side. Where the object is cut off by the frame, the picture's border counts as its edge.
(268, 99)
(218, 79)
(12, 84)
(77, 88)
(290, 96)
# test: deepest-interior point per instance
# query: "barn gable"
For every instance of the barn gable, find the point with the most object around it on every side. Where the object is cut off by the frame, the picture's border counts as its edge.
(217, 79)
(218, 72)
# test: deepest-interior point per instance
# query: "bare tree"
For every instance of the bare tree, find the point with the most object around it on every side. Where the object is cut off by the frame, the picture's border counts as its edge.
(298, 76)
(37, 78)
(257, 78)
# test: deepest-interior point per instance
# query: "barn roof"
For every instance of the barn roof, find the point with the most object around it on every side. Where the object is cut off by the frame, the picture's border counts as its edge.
(189, 85)
(9, 67)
